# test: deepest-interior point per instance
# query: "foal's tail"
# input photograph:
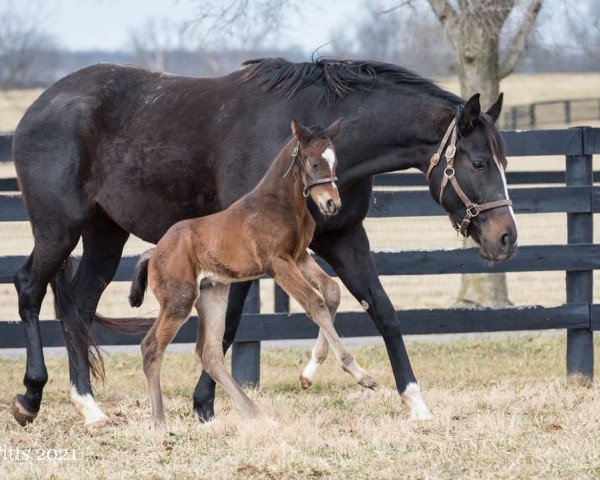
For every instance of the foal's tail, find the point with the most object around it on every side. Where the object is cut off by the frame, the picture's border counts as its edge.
(139, 282)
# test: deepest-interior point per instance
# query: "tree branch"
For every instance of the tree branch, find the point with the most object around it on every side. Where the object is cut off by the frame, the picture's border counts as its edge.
(449, 19)
(517, 46)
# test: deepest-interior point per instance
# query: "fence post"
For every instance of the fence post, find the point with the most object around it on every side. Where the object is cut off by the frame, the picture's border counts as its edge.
(532, 115)
(580, 346)
(282, 300)
(567, 109)
(245, 356)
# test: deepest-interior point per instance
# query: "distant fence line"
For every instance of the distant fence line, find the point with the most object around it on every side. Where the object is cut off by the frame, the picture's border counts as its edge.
(568, 111)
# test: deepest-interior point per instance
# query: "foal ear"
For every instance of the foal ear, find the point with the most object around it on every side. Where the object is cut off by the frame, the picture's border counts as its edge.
(300, 132)
(470, 113)
(334, 129)
(496, 108)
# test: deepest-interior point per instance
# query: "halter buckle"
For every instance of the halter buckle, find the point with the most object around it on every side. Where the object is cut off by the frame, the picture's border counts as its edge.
(435, 158)
(295, 151)
(450, 151)
(471, 209)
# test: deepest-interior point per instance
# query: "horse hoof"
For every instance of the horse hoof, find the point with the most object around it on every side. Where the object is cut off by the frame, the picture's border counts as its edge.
(111, 421)
(304, 382)
(421, 415)
(368, 382)
(21, 414)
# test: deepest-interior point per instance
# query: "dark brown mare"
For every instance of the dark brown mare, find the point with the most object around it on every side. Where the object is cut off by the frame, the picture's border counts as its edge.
(266, 231)
(110, 151)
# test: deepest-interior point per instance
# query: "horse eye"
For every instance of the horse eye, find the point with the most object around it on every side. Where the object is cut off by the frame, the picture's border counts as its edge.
(315, 166)
(478, 165)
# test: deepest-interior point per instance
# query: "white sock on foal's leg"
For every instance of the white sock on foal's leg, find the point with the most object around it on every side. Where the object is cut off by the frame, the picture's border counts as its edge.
(416, 405)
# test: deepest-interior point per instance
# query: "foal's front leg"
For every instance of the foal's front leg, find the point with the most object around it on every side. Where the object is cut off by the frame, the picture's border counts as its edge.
(330, 291)
(289, 277)
(211, 307)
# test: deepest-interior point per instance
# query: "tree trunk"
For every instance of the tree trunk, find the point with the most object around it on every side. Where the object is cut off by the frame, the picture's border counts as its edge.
(478, 72)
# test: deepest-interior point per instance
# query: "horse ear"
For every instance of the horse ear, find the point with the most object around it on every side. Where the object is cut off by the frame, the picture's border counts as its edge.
(334, 129)
(469, 114)
(300, 132)
(496, 108)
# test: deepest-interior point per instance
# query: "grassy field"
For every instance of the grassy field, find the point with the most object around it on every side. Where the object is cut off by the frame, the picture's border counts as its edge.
(501, 405)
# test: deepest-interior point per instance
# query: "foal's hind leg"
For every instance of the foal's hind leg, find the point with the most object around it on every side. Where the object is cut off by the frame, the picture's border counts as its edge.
(288, 276)
(211, 307)
(330, 291)
(175, 307)
(103, 244)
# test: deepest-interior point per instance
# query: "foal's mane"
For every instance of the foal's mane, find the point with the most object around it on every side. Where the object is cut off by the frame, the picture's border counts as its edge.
(336, 77)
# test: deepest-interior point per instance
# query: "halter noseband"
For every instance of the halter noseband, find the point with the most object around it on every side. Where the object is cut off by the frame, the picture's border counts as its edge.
(472, 209)
(311, 181)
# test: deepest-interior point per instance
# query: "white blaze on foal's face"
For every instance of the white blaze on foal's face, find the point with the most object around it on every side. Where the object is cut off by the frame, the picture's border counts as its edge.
(329, 155)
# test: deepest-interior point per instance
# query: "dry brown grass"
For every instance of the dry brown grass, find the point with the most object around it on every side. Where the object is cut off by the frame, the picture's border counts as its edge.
(502, 409)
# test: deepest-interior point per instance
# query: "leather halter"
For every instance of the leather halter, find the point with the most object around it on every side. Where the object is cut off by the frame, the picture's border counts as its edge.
(310, 180)
(472, 209)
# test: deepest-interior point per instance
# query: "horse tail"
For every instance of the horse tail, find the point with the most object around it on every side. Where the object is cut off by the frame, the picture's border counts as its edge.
(76, 330)
(139, 282)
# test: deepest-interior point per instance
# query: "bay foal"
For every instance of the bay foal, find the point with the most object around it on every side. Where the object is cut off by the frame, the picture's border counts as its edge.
(265, 232)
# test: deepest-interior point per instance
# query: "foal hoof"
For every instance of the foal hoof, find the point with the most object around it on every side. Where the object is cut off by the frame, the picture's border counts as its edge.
(368, 382)
(21, 414)
(304, 382)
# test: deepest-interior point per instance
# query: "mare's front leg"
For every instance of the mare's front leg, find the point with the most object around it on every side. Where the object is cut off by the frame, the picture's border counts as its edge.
(289, 277)
(350, 257)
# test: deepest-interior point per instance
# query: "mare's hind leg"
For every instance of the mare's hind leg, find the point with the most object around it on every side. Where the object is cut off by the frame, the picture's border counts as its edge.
(103, 242)
(211, 307)
(289, 277)
(176, 302)
(53, 245)
(330, 291)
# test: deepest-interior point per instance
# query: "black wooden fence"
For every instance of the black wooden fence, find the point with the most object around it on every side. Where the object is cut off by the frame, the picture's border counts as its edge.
(570, 191)
(548, 112)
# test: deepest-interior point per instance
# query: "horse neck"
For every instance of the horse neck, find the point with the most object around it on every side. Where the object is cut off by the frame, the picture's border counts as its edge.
(287, 189)
(393, 140)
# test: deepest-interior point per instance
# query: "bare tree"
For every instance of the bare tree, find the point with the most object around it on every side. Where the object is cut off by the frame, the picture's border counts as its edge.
(152, 42)
(474, 28)
(397, 36)
(24, 47)
(250, 23)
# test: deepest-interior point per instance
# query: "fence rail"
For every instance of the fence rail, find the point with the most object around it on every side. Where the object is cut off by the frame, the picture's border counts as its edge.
(551, 111)
(572, 192)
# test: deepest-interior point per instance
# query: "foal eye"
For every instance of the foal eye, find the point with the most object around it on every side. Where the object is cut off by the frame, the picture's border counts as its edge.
(478, 165)
(315, 166)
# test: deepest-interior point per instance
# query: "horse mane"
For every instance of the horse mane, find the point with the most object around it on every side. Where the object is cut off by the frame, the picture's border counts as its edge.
(336, 77)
